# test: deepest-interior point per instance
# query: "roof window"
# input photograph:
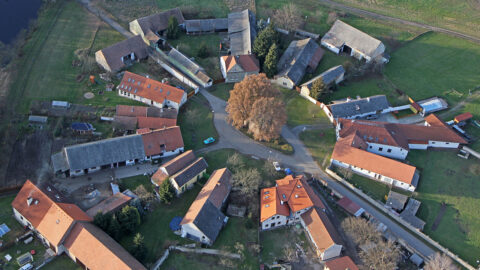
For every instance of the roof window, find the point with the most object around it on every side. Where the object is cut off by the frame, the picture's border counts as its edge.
(266, 197)
(283, 196)
(148, 86)
(267, 205)
(135, 91)
(168, 93)
(138, 83)
(129, 79)
(299, 186)
(161, 90)
(133, 81)
(266, 192)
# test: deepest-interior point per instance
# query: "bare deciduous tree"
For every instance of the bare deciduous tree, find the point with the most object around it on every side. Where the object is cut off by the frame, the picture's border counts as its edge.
(247, 181)
(440, 261)
(288, 17)
(235, 162)
(267, 118)
(360, 231)
(382, 256)
(143, 194)
(289, 253)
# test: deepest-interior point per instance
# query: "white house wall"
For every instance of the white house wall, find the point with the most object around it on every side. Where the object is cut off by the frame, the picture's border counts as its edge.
(418, 146)
(193, 230)
(283, 81)
(331, 47)
(383, 150)
(442, 144)
(279, 221)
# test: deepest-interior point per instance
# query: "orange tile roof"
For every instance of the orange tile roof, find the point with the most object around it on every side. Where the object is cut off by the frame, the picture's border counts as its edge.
(270, 205)
(248, 62)
(341, 263)
(317, 202)
(375, 163)
(110, 204)
(215, 190)
(51, 218)
(98, 251)
(291, 190)
(155, 122)
(173, 166)
(160, 140)
(322, 231)
(150, 89)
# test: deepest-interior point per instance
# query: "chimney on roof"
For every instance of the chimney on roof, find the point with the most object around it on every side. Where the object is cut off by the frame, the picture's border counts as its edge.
(35, 202)
(29, 201)
(348, 99)
(357, 107)
(296, 195)
(281, 202)
(368, 99)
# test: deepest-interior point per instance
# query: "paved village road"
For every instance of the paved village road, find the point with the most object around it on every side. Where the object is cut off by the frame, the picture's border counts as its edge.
(301, 160)
(365, 13)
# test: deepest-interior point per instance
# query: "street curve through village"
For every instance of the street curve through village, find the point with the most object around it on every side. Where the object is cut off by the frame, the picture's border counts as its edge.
(300, 161)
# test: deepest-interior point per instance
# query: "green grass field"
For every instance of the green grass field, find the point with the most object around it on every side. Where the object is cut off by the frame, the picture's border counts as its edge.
(62, 262)
(320, 144)
(274, 243)
(221, 90)
(447, 178)
(300, 111)
(459, 15)
(197, 125)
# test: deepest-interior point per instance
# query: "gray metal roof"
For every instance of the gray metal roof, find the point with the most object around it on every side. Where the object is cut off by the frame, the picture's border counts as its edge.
(159, 21)
(187, 173)
(191, 68)
(37, 118)
(103, 152)
(59, 162)
(206, 25)
(342, 33)
(209, 220)
(328, 76)
(396, 200)
(297, 58)
(114, 53)
(241, 31)
(352, 107)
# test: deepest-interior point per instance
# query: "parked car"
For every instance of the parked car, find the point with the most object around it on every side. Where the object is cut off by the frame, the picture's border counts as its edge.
(277, 166)
(209, 140)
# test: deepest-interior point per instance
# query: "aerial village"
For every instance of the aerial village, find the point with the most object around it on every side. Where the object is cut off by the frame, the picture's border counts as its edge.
(156, 192)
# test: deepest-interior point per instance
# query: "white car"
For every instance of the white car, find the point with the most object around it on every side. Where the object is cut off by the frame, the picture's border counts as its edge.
(277, 166)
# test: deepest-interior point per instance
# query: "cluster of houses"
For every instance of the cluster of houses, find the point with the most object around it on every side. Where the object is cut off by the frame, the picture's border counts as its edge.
(373, 149)
(65, 228)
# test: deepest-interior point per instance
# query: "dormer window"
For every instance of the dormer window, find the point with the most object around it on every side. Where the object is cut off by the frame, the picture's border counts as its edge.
(267, 205)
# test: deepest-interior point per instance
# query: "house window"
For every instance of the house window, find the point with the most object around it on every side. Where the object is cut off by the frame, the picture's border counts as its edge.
(389, 150)
(447, 143)
(278, 223)
(380, 149)
(284, 83)
(433, 142)
(370, 147)
(266, 226)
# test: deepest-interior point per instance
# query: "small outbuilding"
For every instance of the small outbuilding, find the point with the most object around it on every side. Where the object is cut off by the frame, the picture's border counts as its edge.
(396, 200)
(205, 26)
(37, 120)
(82, 128)
(236, 68)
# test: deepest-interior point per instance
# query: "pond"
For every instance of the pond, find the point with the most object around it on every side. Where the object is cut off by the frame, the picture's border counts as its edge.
(15, 16)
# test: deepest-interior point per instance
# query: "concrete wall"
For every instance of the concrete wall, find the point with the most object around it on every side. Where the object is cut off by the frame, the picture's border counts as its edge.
(283, 81)
(442, 144)
(330, 47)
(387, 150)
(191, 229)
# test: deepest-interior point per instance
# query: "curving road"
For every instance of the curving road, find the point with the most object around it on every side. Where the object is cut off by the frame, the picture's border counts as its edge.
(301, 160)
(365, 13)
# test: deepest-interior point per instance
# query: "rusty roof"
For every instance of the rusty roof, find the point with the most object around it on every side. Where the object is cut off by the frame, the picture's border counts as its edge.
(110, 204)
(270, 205)
(148, 88)
(155, 122)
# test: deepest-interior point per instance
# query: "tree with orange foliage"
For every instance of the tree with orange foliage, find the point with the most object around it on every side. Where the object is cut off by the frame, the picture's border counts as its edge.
(267, 118)
(244, 95)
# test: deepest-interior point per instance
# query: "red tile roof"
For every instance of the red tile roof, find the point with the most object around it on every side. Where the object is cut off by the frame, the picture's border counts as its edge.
(124, 110)
(248, 62)
(341, 263)
(321, 229)
(161, 140)
(98, 251)
(292, 191)
(155, 122)
(463, 117)
(215, 190)
(344, 152)
(348, 205)
(150, 89)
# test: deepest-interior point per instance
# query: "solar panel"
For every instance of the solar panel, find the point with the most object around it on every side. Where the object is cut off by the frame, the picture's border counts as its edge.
(4, 229)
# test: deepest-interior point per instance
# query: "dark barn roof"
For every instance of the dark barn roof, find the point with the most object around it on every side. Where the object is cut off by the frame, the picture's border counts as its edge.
(299, 55)
(241, 31)
(209, 220)
(357, 106)
(187, 173)
(328, 76)
(114, 53)
(103, 152)
(206, 25)
(159, 22)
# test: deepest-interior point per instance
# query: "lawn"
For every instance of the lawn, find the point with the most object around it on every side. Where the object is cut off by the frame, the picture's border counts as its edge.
(274, 242)
(447, 178)
(459, 15)
(300, 111)
(196, 122)
(320, 144)
(48, 72)
(221, 90)
(62, 262)
(133, 182)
